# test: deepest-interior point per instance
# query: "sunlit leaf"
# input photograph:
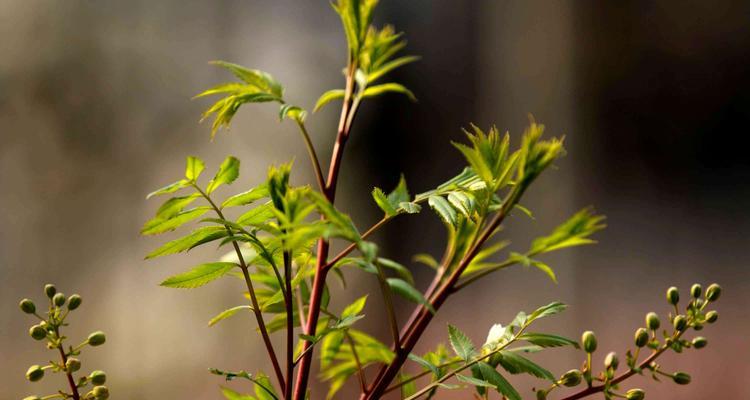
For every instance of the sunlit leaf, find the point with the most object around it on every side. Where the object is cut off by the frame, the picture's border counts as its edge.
(199, 275)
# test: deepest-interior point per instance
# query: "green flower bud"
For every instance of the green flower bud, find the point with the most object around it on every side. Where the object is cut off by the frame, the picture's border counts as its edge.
(641, 337)
(58, 299)
(38, 332)
(72, 365)
(541, 394)
(673, 296)
(681, 378)
(680, 323)
(635, 394)
(697, 326)
(50, 290)
(652, 321)
(98, 377)
(713, 292)
(712, 316)
(74, 302)
(700, 342)
(100, 393)
(35, 373)
(97, 338)
(571, 378)
(589, 341)
(27, 306)
(611, 361)
(696, 291)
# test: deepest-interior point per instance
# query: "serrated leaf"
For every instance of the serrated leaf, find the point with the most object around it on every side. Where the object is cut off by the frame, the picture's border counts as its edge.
(228, 172)
(462, 345)
(173, 206)
(264, 388)
(253, 77)
(355, 308)
(194, 168)
(226, 314)
(547, 340)
(159, 225)
(195, 238)
(443, 209)
(517, 364)
(498, 381)
(257, 216)
(426, 364)
(546, 311)
(171, 188)
(247, 197)
(409, 292)
(474, 381)
(409, 207)
(388, 88)
(382, 201)
(230, 394)
(199, 275)
(327, 97)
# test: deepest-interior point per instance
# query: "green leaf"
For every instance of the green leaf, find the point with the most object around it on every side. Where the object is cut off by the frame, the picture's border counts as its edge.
(546, 340)
(292, 112)
(545, 268)
(407, 291)
(248, 197)
(199, 275)
(257, 216)
(426, 364)
(498, 381)
(195, 238)
(427, 260)
(327, 97)
(462, 202)
(399, 269)
(253, 77)
(171, 188)
(409, 207)
(173, 206)
(516, 364)
(228, 172)
(443, 209)
(355, 308)
(194, 168)
(230, 394)
(339, 219)
(573, 232)
(474, 381)
(462, 345)
(390, 66)
(386, 88)
(226, 314)
(382, 201)
(264, 388)
(546, 311)
(159, 225)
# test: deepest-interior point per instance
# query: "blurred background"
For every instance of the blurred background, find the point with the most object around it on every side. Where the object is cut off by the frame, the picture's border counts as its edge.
(95, 112)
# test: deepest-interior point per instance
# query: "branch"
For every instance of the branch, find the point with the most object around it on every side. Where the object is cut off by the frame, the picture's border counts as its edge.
(313, 155)
(289, 325)
(360, 369)
(64, 357)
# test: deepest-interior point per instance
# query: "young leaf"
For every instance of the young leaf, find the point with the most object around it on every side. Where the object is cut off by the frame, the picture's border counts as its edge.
(573, 232)
(173, 206)
(194, 168)
(327, 97)
(355, 308)
(426, 364)
(399, 269)
(228, 172)
(390, 66)
(226, 314)
(547, 340)
(545, 268)
(230, 394)
(171, 188)
(199, 275)
(263, 388)
(195, 238)
(443, 209)
(292, 112)
(545, 311)
(407, 291)
(159, 225)
(247, 197)
(474, 381)
(382, 201)
(461, 343)
(386, 88)
(498, 381)
(257, 216)
(516, 364)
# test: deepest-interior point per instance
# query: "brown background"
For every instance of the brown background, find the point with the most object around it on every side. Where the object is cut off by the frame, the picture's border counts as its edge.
(95, 112)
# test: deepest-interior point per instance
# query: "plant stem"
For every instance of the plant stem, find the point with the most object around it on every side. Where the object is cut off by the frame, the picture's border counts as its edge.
(353, 246)
(313, 155)
(360, 369)
(289, 325)
(388, 300)
(253, 298)
(64, 357)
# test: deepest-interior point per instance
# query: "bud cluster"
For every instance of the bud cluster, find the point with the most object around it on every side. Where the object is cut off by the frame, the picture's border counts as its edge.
(49, 330)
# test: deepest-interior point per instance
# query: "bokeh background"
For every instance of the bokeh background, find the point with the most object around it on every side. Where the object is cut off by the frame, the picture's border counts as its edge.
(95, 112)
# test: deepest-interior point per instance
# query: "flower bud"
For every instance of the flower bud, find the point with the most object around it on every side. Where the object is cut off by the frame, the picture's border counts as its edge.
(72, 365)
(713, 292)
(27, 306)
(635, 394)
(611, 361)
(100, 393)
(97, 338)
(712, 316)
(35, 373)
(571, 378)
(641, 337)
(700, 342)
(50, 290)
(74, 302)
(589, 341)
(98, 377)
(652, 321)
(681, 378)
(673, 296)
(696, 291)
(541, 394)
(697, 326)
(58, 299)
(38, 332)
(680, 323)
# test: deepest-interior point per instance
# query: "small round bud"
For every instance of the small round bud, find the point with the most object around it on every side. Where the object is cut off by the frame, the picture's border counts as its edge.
(713, 292)
(700, 342)
(680, 323)
(697, 326)
(635, 394)
(712, 316)
(673, 296)
(611, 361)
(696, 291)
(27, 306)
(72, 365)
(589, 341)
(98, 377)
(571, 378)
(50, 290)
(38, 332)
(681, 378)
(97, 338)
(58, 299)
(35, 373)
(74, 302)
(100, 393)
(652, 321)
(541, 394)
(641, 337)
